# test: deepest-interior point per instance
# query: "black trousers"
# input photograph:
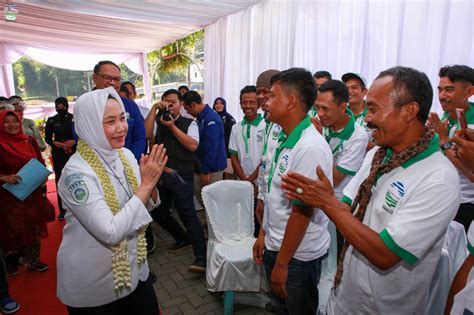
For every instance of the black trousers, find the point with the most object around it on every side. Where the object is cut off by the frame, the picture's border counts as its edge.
(59, 161)
(3, 279)
(184, 203)
(142, 301)
(465, 214)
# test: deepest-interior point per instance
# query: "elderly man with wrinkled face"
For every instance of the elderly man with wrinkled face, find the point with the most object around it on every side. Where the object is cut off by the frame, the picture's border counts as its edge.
(395, 211)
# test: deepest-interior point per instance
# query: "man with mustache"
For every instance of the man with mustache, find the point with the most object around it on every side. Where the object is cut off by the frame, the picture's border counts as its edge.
(347, 139)
(456, 85)
(395, 210)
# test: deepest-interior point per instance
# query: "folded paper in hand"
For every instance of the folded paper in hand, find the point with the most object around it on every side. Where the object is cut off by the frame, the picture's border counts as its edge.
(32, 175)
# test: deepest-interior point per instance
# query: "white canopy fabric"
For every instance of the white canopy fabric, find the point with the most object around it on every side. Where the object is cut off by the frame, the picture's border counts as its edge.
(364, 36)
(123, 31)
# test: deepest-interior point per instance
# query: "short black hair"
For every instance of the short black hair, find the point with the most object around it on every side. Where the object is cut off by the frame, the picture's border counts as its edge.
(248, 89)
(339, 91)
(3, 99)
(99, 65)
(125, 90)
(15, 97)
(458, 73)
(191, 97)
(183, 87)
(299, 80)
(129, 83)
(322, 74)
(172, 91)
(61, 100)
(410, 85)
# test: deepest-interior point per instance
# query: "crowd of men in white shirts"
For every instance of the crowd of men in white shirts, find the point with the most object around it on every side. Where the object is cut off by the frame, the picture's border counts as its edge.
(371, 162)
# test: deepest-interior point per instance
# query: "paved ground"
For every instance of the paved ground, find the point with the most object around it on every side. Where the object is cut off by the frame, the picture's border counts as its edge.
(181, 292)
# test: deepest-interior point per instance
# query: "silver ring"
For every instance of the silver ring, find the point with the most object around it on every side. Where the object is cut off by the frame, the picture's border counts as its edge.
(299, 190)
(160, 163)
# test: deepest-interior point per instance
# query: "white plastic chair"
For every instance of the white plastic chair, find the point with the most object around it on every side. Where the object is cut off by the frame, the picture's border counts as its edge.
(230, 267)
(453, 254)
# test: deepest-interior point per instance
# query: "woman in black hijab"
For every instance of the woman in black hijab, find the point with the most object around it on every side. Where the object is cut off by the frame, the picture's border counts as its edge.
(220, 106)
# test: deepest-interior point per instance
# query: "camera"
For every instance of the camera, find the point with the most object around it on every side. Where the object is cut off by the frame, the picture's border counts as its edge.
(165, 113)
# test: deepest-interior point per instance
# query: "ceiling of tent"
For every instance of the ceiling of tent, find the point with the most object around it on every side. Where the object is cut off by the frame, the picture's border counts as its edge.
(110, 26)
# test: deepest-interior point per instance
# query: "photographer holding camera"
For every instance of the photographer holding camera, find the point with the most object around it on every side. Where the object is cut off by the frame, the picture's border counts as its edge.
(180, 137)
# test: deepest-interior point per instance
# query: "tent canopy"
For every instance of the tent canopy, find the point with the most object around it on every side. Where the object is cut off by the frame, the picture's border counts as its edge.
(112, 26)
(82, 32)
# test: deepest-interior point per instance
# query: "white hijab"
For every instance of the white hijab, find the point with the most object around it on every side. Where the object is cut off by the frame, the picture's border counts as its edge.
(88, 116)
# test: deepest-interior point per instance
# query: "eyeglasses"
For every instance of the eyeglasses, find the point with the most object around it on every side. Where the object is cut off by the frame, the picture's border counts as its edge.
(110, 79)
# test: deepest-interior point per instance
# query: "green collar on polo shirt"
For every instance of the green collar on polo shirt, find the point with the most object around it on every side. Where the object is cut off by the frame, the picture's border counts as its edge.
(287, 142)
(295, 135)
(469, 117)
(312, 112)
(363, 113)
(254, 122)
(345, 133)
(432, 148)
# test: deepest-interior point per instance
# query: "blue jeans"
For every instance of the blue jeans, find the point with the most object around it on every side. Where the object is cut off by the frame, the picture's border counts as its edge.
(184, 202)
(302, 285)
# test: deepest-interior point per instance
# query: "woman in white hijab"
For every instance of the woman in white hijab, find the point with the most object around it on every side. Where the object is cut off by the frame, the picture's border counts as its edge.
(102, 266)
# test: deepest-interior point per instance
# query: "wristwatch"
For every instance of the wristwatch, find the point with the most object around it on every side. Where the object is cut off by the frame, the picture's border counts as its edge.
(447, 145)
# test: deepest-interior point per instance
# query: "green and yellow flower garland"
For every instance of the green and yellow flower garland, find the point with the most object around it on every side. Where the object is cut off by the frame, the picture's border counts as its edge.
(120, 261)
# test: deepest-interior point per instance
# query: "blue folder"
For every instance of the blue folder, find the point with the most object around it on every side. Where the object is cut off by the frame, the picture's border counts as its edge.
(32, 175)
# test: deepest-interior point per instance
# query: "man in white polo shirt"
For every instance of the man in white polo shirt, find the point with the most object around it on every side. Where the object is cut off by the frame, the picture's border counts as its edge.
(456, 85)
(347, 139)
(246, 142)
(357, 86)
(294, 237)
(246, 137)
(403, 198)
(270, 139)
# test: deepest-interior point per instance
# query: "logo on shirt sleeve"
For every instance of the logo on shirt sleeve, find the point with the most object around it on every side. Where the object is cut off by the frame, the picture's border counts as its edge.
(78, 188)
(395, 192)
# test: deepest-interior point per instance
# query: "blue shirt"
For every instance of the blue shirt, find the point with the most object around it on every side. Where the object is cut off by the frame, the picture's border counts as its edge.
(136, 135)
(211, 150)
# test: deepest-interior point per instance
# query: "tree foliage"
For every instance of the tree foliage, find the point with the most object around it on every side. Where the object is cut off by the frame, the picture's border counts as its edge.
(175, 58)
(34, 80)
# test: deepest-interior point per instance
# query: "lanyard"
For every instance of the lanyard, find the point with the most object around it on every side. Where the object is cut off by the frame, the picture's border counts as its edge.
(246, 136)
(268, 129)
(275, 157)
(328, 139)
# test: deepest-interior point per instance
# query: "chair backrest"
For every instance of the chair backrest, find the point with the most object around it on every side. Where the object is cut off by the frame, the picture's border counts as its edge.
(229, 210)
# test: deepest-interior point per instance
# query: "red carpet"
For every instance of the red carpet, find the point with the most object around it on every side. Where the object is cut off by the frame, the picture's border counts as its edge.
(36, 291)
